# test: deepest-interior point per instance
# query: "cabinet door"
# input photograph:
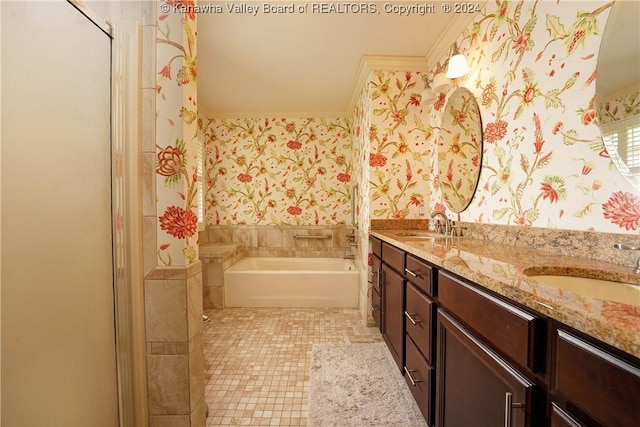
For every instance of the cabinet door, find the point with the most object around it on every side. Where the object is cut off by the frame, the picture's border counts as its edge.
(602, 385)
(376, 308)
(475, 387)
(393, 311)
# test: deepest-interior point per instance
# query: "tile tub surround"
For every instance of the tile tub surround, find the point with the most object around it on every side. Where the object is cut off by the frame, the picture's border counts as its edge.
(279, 241)
(258, 360)
(499, 268)
(215, 258)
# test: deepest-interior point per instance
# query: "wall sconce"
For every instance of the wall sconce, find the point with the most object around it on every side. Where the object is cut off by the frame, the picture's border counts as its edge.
(440, 83)
(458, 66)
(428, 96)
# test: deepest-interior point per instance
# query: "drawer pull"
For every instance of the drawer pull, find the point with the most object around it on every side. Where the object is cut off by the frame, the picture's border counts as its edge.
(411, 273)
(414, 382)
(411, 318)
(508, 404)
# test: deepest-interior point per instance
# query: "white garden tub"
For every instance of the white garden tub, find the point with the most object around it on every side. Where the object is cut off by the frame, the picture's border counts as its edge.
(291, 282)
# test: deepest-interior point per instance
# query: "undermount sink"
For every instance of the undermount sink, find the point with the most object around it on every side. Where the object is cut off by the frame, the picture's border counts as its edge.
(602, 289)
(417, 235)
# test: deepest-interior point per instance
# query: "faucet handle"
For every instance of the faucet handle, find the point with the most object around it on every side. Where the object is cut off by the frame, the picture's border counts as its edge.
(626, 247)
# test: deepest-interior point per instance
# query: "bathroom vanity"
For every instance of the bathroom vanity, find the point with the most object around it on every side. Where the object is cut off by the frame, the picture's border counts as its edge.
(481, 343)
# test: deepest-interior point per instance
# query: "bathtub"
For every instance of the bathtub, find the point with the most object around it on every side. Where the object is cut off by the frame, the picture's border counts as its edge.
(291, 282)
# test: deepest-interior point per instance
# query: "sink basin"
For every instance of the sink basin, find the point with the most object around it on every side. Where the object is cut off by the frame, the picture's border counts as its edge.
(417, 235)
(597, 288)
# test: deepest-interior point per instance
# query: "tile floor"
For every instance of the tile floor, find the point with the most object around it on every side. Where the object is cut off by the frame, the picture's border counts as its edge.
(257, 361)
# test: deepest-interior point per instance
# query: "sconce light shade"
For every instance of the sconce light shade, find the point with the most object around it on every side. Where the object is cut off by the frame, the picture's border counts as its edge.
(427, 96)
(440, 82)
(458, 66)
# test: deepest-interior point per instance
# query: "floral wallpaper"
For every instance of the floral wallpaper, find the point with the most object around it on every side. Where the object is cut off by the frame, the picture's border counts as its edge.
(176, 134)
(459, 150)
(544, 163)
(544, 160)
(286, 171)
(619, 109)
(398, 139)
(361, 150)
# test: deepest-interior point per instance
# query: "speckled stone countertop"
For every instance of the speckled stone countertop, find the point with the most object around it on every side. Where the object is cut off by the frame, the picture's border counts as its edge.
(501, 268)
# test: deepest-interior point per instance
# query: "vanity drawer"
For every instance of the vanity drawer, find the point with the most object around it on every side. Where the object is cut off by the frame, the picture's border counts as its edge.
(375, 273)
(419, 320)
(419, 376)
(393, 257)
(510, 329)
(420, 273)
(559, 418)
(604, 386)
(376, 308)
(376, 246)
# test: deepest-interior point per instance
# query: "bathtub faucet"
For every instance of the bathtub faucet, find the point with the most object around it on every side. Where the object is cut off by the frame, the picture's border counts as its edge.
(630, 248)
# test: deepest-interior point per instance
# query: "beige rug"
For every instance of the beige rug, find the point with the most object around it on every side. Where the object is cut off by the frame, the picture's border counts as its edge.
(359, 385)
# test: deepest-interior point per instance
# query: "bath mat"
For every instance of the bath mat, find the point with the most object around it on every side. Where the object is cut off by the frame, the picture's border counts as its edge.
(359, 385)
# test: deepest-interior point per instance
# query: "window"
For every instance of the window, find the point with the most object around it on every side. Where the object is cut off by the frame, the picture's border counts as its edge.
(622, 139)
(199, 184)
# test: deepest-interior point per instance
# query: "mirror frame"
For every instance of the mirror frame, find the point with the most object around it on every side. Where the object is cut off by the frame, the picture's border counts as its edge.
(616, 35)
(460, 150)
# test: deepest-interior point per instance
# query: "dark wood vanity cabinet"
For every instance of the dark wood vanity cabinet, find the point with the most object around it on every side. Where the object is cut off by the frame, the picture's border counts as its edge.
(475, 386)
(594, 386)
(419, 370)
(376, 289)
(393, 300)
(487, 355)
(472, 357)
(393, 310)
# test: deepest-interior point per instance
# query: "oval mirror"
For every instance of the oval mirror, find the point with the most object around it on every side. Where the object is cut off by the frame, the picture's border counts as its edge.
(618, 89)
(460, 150)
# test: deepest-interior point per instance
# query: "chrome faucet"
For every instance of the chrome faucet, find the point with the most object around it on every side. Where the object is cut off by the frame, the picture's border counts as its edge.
(447, 223)
(630, 248)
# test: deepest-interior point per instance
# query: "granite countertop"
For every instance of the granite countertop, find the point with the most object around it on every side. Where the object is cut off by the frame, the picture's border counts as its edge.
(501, 268)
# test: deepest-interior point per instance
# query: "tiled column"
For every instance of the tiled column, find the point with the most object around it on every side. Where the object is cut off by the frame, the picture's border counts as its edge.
(175, 362)
(173, 272)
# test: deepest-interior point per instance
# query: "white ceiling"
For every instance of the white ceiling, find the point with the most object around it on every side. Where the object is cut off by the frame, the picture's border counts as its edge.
(304, 63)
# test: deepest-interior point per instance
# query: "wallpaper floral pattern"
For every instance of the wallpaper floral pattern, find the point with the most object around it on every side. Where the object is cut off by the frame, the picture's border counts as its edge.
(619, 109)
(459, 150)
(176, 135)
(400, 149)
(544, 163)
(286, 171)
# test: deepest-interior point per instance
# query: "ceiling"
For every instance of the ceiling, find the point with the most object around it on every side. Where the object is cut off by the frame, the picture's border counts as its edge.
(305, 63)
